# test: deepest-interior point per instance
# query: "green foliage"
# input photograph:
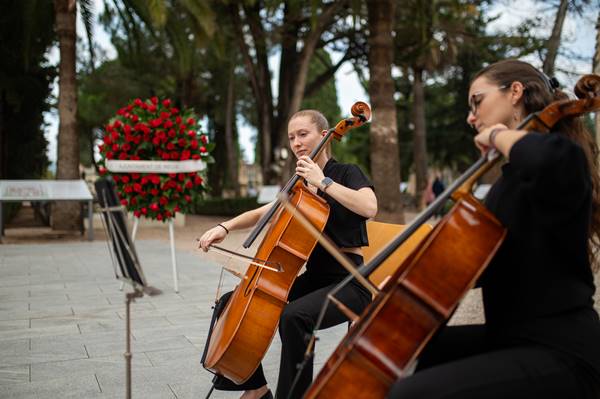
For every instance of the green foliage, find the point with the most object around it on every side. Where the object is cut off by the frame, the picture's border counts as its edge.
(26, 32)
(225, 206)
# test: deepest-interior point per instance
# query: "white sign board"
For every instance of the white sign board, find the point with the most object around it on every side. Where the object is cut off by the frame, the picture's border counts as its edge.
(190, 165)
(44, 190)
(268, 194)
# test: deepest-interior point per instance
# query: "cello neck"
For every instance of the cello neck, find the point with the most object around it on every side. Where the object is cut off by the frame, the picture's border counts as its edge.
(286, 189)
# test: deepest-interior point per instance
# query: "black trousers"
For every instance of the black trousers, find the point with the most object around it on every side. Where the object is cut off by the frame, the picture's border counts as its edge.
(461, 363)
(296, 324)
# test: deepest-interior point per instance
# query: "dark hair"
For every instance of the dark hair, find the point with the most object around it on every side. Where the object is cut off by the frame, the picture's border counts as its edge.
(539, 91)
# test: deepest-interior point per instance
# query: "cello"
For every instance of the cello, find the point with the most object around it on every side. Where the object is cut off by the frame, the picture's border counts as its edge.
(240, 337)
(385, 342)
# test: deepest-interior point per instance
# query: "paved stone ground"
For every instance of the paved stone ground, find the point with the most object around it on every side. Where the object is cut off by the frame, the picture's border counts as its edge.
(62, 318)
(62, 324)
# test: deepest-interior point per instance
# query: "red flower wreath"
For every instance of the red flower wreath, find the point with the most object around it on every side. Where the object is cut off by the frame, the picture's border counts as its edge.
(154, 130)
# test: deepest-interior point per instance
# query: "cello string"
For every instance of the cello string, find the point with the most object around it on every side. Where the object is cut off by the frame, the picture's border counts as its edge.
(309, 353)
(327, 244)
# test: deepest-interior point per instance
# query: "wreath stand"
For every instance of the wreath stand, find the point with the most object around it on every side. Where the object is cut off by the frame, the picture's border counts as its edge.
(159, 167)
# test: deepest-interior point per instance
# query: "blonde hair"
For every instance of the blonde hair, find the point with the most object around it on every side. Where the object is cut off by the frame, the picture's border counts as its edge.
(318, 119)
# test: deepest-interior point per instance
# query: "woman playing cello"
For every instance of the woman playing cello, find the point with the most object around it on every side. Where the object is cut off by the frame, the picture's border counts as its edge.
(541, 336)
(352, 201)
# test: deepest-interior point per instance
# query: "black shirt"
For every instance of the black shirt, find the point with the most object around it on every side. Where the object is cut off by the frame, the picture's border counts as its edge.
(539, 287)
(344, 227)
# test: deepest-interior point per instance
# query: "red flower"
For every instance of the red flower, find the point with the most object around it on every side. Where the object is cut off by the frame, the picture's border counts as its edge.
(160, 133)
(202, 149)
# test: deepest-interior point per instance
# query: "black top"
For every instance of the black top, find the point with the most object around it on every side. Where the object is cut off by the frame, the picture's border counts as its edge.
(344, 227)
(539, 287)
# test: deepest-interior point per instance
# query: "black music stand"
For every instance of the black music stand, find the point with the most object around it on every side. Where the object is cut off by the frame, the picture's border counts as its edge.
(124, 258)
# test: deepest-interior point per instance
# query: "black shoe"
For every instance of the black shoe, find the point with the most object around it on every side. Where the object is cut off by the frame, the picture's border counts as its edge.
(267, 395)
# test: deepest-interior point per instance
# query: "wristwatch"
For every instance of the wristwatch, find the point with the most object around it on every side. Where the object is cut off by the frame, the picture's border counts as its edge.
(326, 182)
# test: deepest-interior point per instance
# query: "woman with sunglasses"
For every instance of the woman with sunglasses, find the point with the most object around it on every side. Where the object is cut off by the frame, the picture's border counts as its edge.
(541, 338)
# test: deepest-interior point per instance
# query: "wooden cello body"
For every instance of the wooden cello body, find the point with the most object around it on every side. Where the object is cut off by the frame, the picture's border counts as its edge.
(394, 328)
(242, 334)
(387, 339)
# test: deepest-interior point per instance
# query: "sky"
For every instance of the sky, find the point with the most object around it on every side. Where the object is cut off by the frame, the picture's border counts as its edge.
(578, 36)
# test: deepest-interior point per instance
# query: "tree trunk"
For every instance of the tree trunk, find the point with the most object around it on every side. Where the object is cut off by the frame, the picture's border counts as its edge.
(298, 83)
(260, 81)
(554, 40)
(66, 215)
(596, 70)
(420, 141)
(385, 161)
(232, 153)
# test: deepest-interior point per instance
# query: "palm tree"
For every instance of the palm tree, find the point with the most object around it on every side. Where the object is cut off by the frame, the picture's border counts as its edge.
(385, 163)
(66, 215)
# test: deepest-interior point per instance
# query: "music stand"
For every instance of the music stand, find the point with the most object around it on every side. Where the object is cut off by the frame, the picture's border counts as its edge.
(124, 258)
